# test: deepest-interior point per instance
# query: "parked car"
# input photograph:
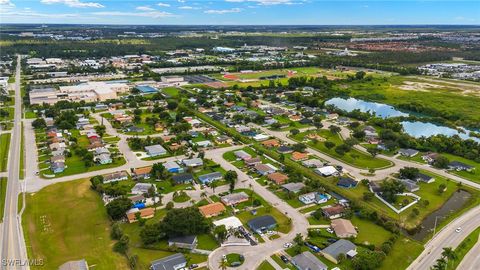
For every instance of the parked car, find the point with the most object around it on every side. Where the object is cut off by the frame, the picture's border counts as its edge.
(193, 266)
(284, 258)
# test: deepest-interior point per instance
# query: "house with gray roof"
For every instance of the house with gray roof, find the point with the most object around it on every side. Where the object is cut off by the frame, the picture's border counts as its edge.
(407, 152)
(155, 150)
(308, 261)
(293, 187)
(210, 177)
(193, 162)
(173, 262)
(342, 246)
(262, 223)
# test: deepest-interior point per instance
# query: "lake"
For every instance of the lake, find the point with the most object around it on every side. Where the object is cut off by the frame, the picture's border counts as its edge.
(416, 129)
(454, 204)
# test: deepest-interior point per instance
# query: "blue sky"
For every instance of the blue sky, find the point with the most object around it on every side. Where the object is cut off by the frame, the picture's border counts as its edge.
(315, 12)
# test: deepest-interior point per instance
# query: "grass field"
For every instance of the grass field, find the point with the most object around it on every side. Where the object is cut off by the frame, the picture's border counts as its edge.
(265, 266)
(4, 146)
(3, 193)
(353, 157)
(464, 248)
(54, 233)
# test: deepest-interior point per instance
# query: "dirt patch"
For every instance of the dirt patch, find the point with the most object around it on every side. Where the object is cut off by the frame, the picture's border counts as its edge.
(418, 86)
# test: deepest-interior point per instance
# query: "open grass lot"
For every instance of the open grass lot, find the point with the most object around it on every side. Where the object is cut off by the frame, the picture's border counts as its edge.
(3, 193)
(464, 248)
(265, 266)
(353, 157)
(397, 90)
(75, 165)
(404, 251)
(171, 91)
(4, 146)
(369, 232)
(473, 175)
(53, 231)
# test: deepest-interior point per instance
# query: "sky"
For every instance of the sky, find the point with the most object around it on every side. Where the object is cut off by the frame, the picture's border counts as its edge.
(241, 12)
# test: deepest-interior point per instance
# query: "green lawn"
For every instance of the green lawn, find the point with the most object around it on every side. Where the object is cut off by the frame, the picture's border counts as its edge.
(53, 231)
(207, 242)
(265, 266)
(3, 193)
(353, 157)
(4, 146)
(404, 251)
(171, 91)
(369, 232)
(283, 222)
(30, 115)
(181, 198)
(233, 257)
(464, 248)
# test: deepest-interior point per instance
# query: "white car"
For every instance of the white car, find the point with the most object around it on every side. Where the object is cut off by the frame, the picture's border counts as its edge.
(459, 229)
(287, 245)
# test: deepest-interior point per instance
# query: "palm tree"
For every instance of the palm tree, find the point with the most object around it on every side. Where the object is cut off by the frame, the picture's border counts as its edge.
(449, 254)
(203, 195)
(213, 185)
(223, 264)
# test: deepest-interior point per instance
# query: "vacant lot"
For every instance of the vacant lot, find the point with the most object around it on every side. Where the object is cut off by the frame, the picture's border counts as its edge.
(68, 221)
(4, 145)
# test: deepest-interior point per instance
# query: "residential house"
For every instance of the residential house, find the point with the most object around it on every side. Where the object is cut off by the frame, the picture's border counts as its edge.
(346, 182)
(430, 157)
(312, 163)
(104, 158)
(212, 210)
(210, 177)
(194, 162)
(262, 223)
(234, 198)
(308, 261)
(58, 158)
(185, 242)
(297, 156)
(410, 185)
(278, 178)
(57, 167)
(142, 173)
(326, 171)
(173, 262)
(284, 149)
(182, 178)
(260, 137)
(343, 228)
(293, 187)
(173, 167)
(333, 212)
(271, 143)
(460, 166)
(115, 177)
(242, 154)
(314, 197)
(145, 213)
(142, 188)
(264, 169)
(407, 152)
(155, 150)
(342, 246)
(252, 161)
(421, 177)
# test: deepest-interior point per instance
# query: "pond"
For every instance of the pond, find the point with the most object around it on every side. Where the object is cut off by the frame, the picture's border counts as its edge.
(454, 204)
(379, 109)
(420, 129)
(416, 129)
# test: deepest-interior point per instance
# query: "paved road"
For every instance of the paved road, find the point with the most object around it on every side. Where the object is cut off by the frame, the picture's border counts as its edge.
(471, 261)
(13, 249)
(254, 255)
(447, 237)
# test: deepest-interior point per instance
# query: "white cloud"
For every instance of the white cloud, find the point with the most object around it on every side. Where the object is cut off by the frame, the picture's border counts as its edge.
(6, 3)
(151, 14)
(188, 7)
(32, 14)
(181, 1)
(265, 2)
(223, 11)
(163, 5)
(73, 3)
(144, 8)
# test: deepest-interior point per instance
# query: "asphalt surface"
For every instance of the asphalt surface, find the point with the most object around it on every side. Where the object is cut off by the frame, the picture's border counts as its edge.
(448, 237)
(13, 245)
